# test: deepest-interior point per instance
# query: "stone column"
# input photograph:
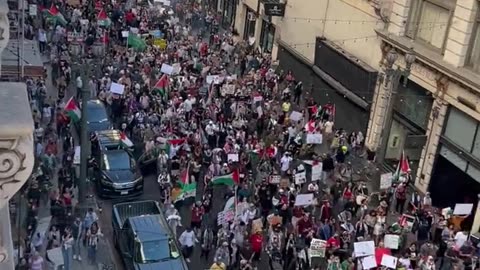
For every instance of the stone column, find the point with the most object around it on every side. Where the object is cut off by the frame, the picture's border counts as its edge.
(16, 157)
(434, 130)
(399, 17)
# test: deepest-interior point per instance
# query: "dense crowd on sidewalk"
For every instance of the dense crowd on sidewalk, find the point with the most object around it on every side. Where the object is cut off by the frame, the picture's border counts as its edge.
(213, 113)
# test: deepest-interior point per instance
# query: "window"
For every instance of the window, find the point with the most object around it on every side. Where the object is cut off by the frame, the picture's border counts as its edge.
(461, 129)
(474, 57)
(429, 21)
(267, 36)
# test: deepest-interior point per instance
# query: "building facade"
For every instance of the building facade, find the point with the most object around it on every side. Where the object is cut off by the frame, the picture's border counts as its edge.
(436, 118)
(309, 36)
(340, 46)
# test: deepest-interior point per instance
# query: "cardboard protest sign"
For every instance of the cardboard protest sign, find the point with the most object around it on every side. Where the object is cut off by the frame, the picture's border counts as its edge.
(314, 138)
(389, 261)
(117, 88)
(300, 178)
(304, 199)
(167, 69)
(391, 241)
(462, 209)
(257, 225)
(296, 116)
(386, 180)
(318, 248)
(364, 248)
(317, 172)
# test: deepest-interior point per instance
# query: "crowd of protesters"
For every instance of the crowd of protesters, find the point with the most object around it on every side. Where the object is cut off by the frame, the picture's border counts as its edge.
(213, 111)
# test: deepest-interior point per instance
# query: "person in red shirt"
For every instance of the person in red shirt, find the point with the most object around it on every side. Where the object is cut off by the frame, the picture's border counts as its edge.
(256, 242)
(333, 242)
(197, 212)
(304, 226)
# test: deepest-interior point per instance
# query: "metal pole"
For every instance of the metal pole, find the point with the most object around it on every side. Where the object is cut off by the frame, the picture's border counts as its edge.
(23, 38)
(19, 69)
(85, 143)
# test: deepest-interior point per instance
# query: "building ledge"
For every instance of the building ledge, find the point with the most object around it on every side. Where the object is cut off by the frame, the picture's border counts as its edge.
(16, 139)
(461, 75)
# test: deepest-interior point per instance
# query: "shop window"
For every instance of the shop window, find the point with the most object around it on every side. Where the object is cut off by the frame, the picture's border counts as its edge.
(428, 21)
(453, 158)
(460, 129)
(267, 37)
(250, 23)
(414, 103)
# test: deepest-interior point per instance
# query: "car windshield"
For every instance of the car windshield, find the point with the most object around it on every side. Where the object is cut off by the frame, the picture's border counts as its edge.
(115, 162)
(97, 115)
(161, 250)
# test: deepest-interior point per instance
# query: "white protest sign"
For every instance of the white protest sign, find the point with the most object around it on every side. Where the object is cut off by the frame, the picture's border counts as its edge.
(300, 178)
(167, 69)
(232, 157)
(304, 199)
(257, 98)
(134, 30)
(315, 138)
(386, 180)
(364, 248)
(296, 116)
(76, 155)
(117, 88)
(274, 179)
(462, 209)
(391, 241)
(369, 262)
(389, 261)
(317, 172)
(211, 78)
(176, 68)
(124, 34)
(317, 248)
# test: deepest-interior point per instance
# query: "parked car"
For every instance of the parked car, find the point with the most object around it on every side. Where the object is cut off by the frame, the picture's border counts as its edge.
(144, 239)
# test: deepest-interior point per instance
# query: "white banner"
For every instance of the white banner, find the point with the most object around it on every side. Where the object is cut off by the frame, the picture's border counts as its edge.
(317, 172)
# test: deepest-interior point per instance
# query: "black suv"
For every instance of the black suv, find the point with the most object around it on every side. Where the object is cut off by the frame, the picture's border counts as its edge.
(115, 170)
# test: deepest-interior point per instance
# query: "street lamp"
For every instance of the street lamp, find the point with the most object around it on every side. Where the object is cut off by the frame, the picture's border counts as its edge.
(393, 77)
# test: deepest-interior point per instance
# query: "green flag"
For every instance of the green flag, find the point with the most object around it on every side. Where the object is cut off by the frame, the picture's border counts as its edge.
(136, 42)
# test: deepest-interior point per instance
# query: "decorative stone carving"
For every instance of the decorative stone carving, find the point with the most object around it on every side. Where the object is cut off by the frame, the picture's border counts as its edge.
(385, 48)
(442, 82)
(16, 140)
(383, 8)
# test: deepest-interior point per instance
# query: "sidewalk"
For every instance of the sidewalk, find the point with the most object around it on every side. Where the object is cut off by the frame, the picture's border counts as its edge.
(104, 256)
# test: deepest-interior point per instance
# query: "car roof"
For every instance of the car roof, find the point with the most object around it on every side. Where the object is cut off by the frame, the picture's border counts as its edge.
(108, 138)
(115, 152)
(95, 103)
(148, 228)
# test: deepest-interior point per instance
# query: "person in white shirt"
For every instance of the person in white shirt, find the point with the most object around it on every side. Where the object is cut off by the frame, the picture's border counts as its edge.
(285, 162)
(79, 85)
(460, 239)
(187, 240)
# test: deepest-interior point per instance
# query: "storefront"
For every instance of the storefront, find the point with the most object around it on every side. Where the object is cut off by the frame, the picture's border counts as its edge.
(228, 13)
(456, 172)
(267, 36)
(250, 24)
(406, 132)
(348, 115)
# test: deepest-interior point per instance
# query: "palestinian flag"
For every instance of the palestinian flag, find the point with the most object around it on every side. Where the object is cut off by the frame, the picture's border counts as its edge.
(187, 189)
(72, 110)
(403, 168)
(102, 19)
(125, 140)
(228, 179)
(173, 146)
(310, 126)
(54, 15)
(161, 86)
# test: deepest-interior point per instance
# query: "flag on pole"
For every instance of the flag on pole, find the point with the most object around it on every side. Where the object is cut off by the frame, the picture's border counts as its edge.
(161, 86)
(403, 167)
(136, 42)
(102, 18)
(173, 146)
(72, 110)
(54, 14)
(188, 189)
(310, 126)
(125, 140)
(228, 179)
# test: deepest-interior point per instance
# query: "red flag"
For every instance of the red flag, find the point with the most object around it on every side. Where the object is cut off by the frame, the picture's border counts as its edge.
(404, 165)
(53, 10)
(236, 176)
(102, 15)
